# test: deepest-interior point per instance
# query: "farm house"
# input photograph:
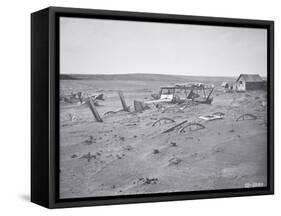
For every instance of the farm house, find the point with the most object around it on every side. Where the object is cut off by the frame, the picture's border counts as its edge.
(249, 82)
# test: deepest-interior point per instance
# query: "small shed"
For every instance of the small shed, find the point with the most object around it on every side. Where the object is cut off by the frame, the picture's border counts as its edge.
(249, 82)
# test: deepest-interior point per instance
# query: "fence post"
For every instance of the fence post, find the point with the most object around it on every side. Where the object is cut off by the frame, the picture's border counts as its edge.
(94, 110)
(125, 107)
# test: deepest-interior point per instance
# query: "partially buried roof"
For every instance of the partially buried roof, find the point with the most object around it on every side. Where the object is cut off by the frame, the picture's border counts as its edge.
(250, 78)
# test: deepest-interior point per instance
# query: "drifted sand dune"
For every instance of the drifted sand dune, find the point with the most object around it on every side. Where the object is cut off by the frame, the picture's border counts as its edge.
(127, 155)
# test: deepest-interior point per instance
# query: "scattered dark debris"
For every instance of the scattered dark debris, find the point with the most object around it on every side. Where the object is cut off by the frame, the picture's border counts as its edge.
(218, 150)
(135, 136)
(238, 136)
(113, 186)
(74, 156)
(174, 161)
(88, 156)
(120, 156)
(156, 151)
(246, 116)
(232, 130)
(122, 138)
(148, 180)
(90, 140)
(174, 144)
(128, 148)
(131, 124)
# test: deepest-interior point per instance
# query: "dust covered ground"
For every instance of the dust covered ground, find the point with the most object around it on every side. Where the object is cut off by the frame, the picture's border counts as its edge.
(127, 155)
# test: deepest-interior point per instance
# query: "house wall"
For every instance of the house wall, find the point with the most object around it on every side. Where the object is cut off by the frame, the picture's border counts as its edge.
(255, 85)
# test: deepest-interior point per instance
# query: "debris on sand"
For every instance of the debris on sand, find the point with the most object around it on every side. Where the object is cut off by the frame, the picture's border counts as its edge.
(210, 117)
(156, 151)
(214, 116)
(148, 180)
(246, 116)
(163, 120)
(122, 138)
(174, 161)
(90, 140)
(219, 114)
(73, 117)
(88, 156)
(128, 148)
(74, 156)
(232, 130)
(174, 144)
(218, 150)
(120, 156)
(98, 97)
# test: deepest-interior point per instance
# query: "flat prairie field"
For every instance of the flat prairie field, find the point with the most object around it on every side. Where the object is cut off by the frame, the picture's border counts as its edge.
(128, 153)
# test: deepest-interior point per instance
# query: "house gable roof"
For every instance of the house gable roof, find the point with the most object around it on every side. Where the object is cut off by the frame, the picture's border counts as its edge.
(250, 78)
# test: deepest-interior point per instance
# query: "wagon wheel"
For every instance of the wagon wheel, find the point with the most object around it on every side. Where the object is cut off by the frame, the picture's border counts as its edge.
(246, 116)
(192, 127)
(163, 121)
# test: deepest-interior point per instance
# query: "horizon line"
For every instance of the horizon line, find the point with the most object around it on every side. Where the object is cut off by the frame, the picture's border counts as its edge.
(156, 74)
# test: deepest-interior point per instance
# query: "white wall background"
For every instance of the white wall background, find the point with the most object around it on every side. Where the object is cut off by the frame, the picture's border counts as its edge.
(15, 106)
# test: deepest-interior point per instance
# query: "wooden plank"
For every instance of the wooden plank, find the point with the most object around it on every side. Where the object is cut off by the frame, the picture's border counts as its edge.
(94, 110)
(122, 98)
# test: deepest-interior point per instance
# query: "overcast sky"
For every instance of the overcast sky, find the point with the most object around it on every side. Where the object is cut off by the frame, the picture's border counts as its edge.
(93, 46)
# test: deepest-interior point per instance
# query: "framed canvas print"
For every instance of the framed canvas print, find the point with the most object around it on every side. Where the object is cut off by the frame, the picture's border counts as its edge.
(138, 107)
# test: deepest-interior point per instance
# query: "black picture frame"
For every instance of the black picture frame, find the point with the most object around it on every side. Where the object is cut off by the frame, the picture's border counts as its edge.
(45, 106)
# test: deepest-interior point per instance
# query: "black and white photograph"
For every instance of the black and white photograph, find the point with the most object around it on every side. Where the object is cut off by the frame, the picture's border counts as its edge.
(149, 107)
